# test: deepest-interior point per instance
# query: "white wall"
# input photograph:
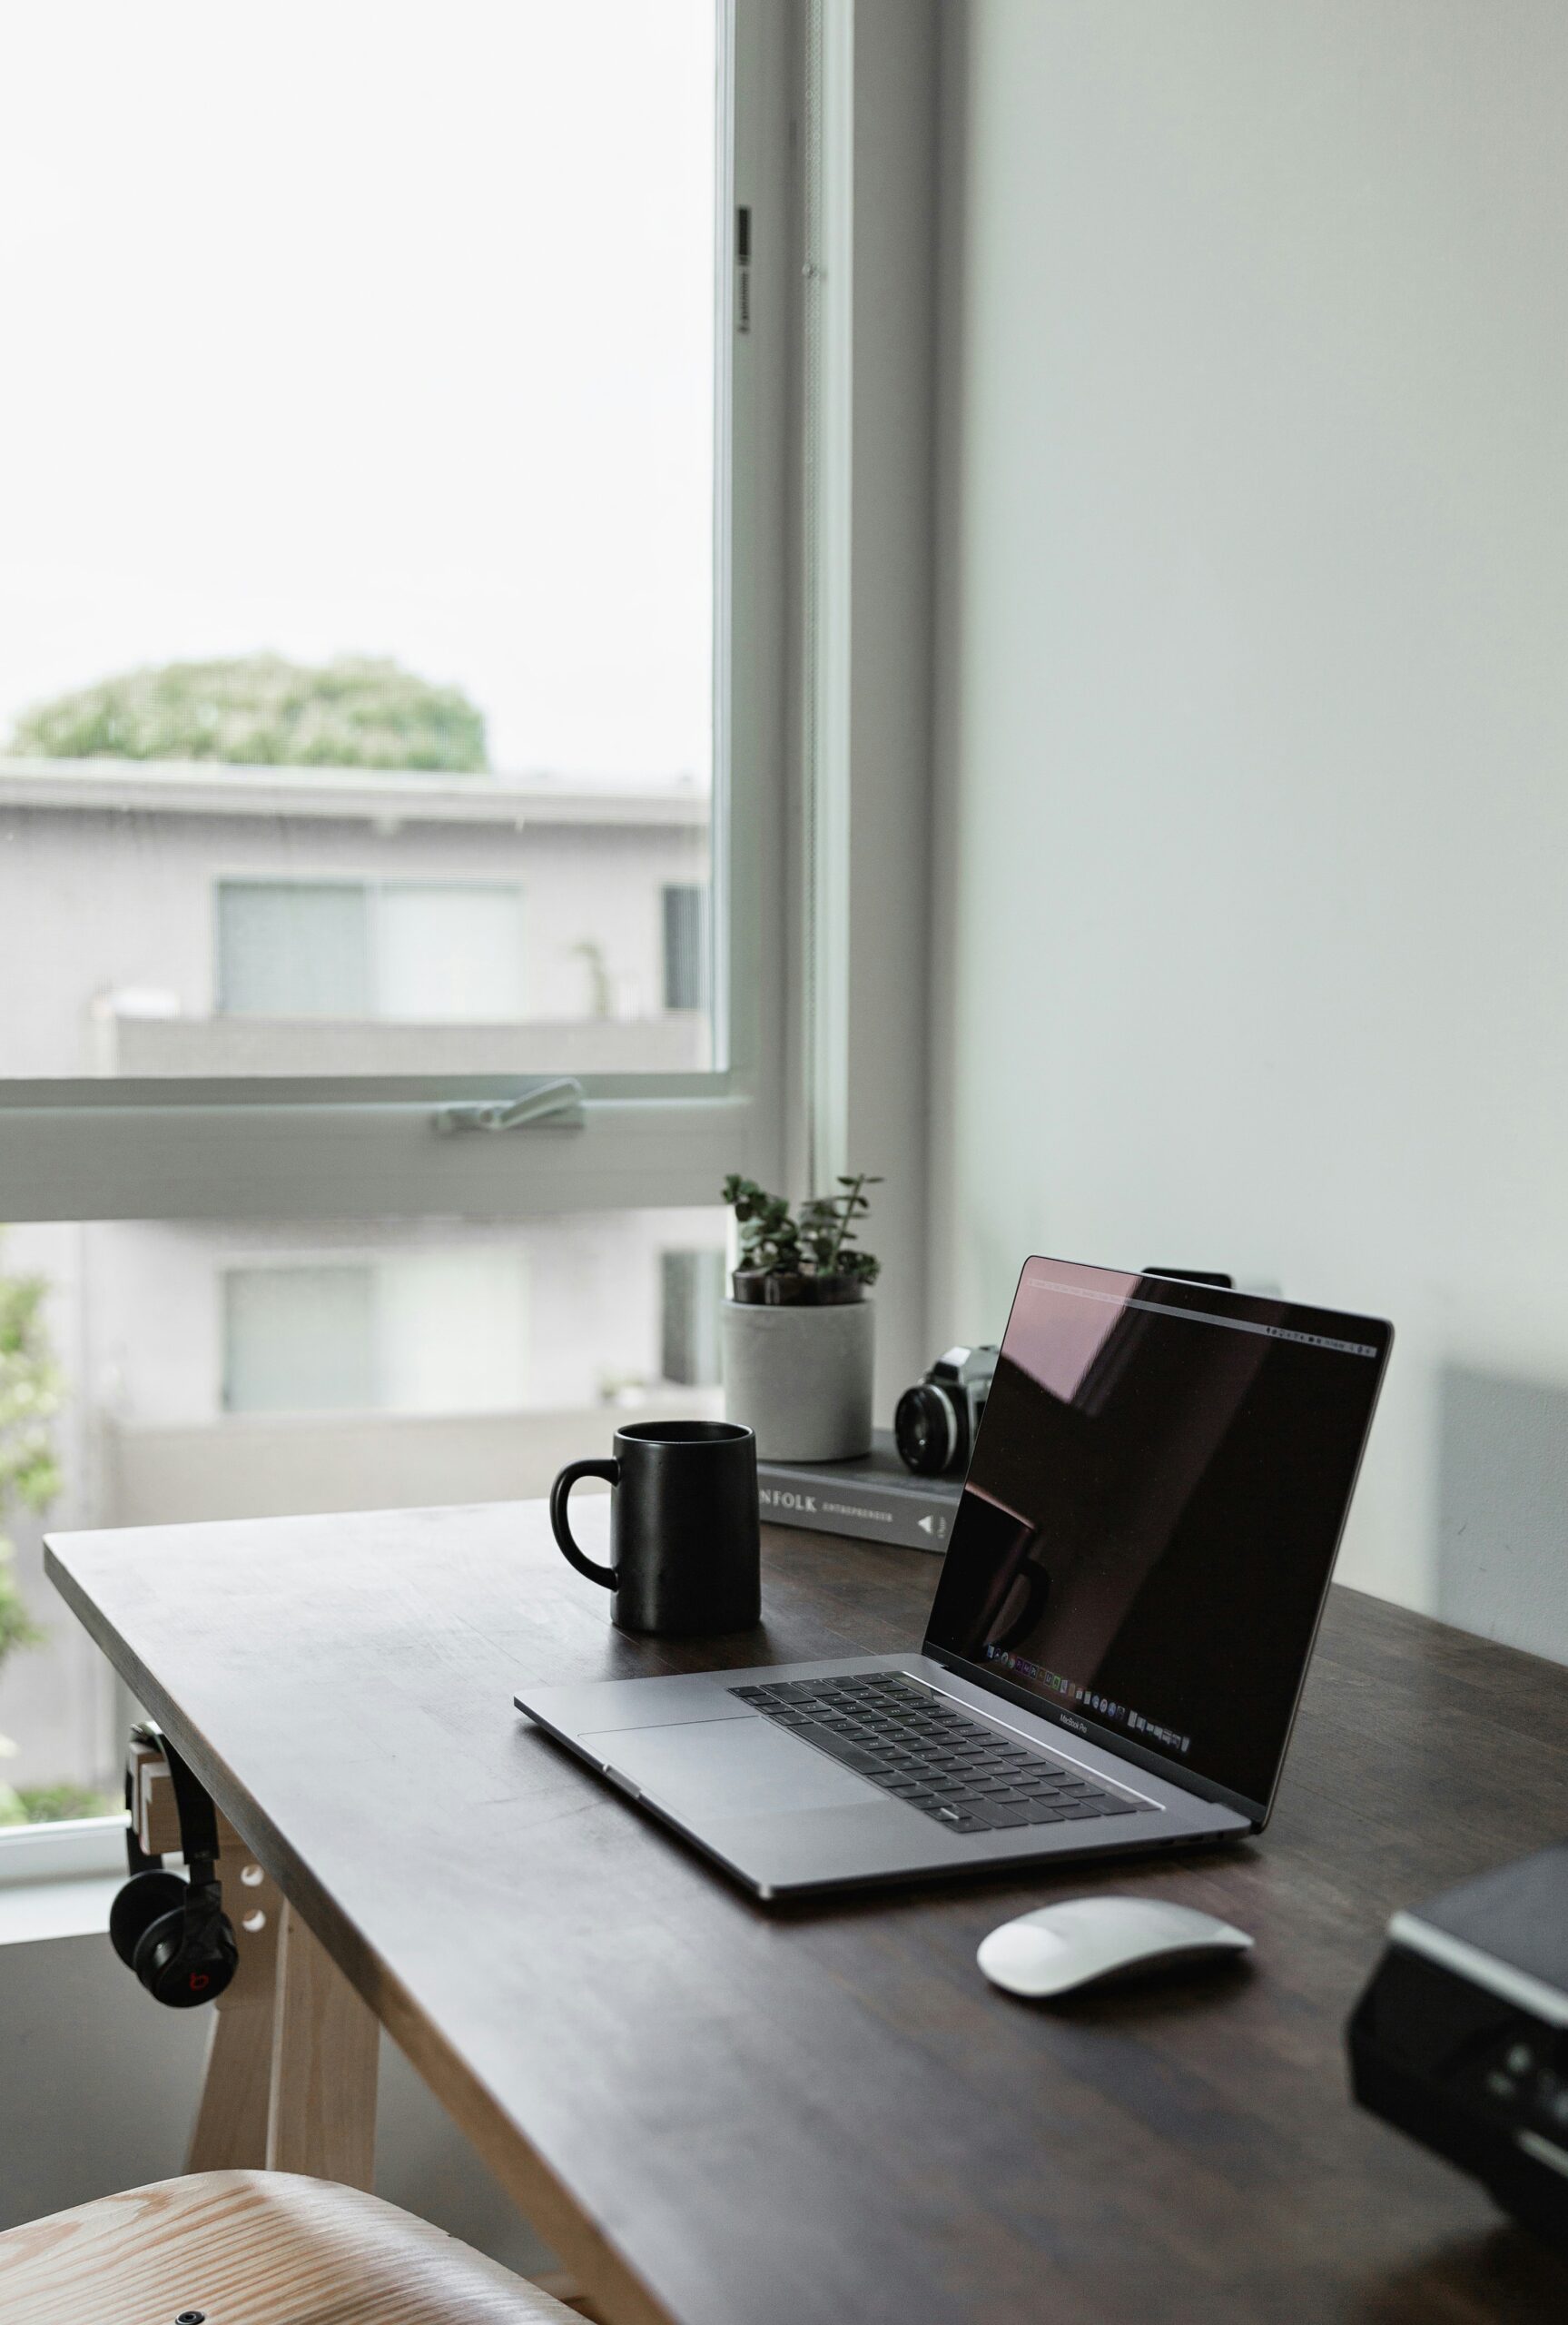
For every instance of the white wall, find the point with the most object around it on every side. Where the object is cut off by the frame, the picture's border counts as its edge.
(1253, 705)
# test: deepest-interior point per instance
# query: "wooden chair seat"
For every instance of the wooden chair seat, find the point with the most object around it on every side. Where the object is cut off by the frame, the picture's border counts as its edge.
(254, 2248)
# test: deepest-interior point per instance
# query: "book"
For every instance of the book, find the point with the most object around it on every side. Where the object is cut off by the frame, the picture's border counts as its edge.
(872, 1498)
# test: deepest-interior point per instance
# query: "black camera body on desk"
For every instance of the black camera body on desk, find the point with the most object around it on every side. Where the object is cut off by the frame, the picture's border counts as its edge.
(1462, 2038)
(935, 1422)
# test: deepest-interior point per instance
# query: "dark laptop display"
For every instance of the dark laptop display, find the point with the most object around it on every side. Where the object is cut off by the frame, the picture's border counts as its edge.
(1157, 1490)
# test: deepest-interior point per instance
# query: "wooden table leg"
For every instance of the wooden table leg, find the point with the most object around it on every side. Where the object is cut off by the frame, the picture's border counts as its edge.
(229, 2133)
(292, 2064)
(326, 2044)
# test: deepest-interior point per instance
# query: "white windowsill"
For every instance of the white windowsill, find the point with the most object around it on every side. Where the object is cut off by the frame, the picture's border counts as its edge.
(59, 1880)
(72, 1851)
(33, 1911)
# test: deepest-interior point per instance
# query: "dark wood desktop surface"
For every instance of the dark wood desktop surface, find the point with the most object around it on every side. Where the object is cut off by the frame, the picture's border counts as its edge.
(821, 2116)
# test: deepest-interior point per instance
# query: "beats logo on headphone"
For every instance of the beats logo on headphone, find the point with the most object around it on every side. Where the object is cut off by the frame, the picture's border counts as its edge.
(174, 1933)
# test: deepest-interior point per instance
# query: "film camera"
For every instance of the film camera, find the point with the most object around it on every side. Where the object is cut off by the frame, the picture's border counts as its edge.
(935, 1421)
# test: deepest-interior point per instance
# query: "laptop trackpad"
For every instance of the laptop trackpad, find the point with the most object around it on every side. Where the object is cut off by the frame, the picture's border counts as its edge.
(727, 1766)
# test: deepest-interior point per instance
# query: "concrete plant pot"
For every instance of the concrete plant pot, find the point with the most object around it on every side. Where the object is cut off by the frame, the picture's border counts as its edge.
(801, 1378)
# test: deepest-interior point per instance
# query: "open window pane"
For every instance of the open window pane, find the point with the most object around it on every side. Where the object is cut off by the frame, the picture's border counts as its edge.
(356, 538)
(211, 1370)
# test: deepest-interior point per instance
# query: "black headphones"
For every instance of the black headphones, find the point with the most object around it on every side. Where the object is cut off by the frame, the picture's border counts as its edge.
(174, 1933)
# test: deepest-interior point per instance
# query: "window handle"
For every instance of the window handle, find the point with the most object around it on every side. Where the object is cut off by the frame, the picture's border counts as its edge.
(559, 1101)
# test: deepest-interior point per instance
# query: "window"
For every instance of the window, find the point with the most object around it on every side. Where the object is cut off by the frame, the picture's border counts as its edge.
(410, 951)
(293, 950)
(447, 596)
(685, 948)
(490, 593)
(299, 1340)
(389, 629)
(692, 1285)
(433, 1332)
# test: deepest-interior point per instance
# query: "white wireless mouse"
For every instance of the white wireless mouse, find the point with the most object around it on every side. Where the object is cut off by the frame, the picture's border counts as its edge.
(1058, 1947)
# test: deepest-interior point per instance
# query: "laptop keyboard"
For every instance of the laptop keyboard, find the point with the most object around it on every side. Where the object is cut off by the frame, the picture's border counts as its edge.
(918, 1746)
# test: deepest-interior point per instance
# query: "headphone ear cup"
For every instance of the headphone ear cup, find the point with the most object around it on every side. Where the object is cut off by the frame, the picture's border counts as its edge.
(146, 1898)
(184, 1966)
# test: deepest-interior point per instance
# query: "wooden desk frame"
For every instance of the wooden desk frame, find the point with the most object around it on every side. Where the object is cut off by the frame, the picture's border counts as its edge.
(292, 2066)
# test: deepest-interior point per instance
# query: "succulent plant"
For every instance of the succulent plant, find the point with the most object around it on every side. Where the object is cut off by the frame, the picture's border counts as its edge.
(805, 1260)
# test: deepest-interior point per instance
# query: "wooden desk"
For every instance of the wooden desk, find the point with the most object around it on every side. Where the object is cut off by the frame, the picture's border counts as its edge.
(725, 2115)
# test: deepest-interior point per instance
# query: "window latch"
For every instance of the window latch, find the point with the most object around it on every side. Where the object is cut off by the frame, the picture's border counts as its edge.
(558, 1103)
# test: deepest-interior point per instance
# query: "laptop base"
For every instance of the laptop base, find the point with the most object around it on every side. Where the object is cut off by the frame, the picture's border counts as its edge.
(784, 1819)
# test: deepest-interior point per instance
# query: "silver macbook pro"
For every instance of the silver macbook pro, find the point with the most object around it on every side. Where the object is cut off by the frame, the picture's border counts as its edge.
(1121, 1626)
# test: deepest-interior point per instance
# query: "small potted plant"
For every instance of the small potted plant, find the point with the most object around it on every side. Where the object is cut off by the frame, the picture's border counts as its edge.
(799, 1333)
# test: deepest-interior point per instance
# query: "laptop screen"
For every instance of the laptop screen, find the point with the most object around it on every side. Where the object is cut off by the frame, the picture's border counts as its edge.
(1158, 1489)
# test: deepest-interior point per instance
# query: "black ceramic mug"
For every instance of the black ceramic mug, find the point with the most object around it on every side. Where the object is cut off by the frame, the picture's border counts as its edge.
(685, 1549)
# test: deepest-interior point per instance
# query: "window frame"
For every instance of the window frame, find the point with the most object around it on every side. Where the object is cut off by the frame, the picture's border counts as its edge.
(328, 1147)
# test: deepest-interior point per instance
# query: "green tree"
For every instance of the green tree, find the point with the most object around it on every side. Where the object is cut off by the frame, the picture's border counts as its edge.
(263, 711)
(29, 1474)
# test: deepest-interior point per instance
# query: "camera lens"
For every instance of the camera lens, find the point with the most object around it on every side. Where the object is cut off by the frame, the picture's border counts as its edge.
(925, 1431)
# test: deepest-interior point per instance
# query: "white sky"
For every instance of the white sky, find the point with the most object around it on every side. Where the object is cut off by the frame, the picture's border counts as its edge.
(376, 326)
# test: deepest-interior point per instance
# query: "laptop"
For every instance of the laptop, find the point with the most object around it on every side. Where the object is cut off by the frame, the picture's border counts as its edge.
(1120, 1630)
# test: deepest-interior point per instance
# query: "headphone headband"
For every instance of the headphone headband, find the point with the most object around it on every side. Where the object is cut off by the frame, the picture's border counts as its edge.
(192, 1805)
(137, 1858)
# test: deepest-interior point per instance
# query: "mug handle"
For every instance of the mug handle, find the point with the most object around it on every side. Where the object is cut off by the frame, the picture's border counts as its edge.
(611, 1472)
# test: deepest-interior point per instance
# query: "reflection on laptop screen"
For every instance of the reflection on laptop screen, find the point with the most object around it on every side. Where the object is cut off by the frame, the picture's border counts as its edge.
(1157, 1494)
